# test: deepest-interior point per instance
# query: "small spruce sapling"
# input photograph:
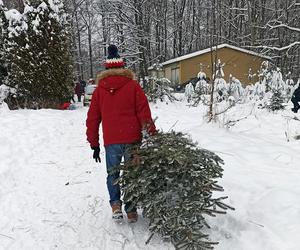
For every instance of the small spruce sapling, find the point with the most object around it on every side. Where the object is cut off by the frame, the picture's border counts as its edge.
(276, 101)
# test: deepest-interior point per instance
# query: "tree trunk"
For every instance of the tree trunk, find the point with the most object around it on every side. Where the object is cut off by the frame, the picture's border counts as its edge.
(90, 53)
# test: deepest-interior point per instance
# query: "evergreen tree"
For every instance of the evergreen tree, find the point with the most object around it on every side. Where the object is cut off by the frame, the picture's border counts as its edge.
(189, 92)
(3, 33)
(40, 56)
(276, 101)
(173, 184)
(160, 89)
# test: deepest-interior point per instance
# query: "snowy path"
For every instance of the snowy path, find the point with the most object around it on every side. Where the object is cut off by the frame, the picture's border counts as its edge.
(53, 196)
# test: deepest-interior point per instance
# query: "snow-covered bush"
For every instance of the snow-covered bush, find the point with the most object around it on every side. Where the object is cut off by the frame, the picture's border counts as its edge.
(231, 92)
(202, 87)
(235, 89)
(5, 91)
(276, 101)
(254, 92)
(201, 90)
(189, 92)
(279, 91)
(201, 76)
(221, 89)
(289, 86)
(160, 89)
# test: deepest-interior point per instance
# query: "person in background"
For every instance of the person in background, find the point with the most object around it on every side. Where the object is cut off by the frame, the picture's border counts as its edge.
(82, 85)
(296, 99)
(121, 105)
(78, 91)
(91, 81)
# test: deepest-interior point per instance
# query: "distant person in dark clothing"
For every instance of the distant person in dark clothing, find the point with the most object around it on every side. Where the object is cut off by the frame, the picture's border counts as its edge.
(83, 85)
(78, 91)
(296, 99)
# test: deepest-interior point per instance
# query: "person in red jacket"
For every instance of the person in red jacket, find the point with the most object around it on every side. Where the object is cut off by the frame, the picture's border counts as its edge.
(121, 105)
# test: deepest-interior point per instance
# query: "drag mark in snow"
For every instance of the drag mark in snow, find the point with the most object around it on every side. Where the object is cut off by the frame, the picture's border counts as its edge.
(256, 223)
(6, 236)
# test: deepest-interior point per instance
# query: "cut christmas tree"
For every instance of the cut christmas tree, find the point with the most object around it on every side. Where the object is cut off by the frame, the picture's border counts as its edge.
(173, 185)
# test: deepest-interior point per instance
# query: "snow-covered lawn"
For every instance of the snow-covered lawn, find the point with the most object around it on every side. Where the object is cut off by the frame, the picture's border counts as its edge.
(53, 196)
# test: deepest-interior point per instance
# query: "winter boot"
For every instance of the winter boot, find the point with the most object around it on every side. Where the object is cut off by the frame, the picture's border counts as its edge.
(132, 217)
(117, 211)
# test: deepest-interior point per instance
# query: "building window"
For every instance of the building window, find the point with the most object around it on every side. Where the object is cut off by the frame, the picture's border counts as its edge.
(175, 75)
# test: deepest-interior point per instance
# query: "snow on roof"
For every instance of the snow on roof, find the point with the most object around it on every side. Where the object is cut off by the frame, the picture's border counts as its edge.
(27, 9)
(201, 52)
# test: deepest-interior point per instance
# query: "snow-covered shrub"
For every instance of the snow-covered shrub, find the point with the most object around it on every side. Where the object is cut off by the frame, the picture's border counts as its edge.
(231, 92)
(259, 91)
(248, 92)
(189, 92)
(201, 92)
(5, 91)
(231, 100)
(276, 101)
(289, 86)
(201, 76)
(279, 90)
(160, 89)
(289, 89)
(202, 87)
(174, 186)
(265, 75)
(221, 89)
(235, 89)
(271, 88)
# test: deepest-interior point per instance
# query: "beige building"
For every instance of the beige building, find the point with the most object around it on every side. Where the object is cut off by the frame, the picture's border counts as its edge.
(237, 62)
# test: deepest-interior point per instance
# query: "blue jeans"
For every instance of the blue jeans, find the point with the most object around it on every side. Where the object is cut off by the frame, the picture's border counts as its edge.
(114, 154)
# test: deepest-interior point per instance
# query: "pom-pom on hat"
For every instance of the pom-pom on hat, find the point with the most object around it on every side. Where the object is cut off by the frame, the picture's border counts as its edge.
(113, 59)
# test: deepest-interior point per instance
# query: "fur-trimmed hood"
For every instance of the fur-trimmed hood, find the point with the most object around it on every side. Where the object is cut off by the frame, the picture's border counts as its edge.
(116, 72)
(113, 79)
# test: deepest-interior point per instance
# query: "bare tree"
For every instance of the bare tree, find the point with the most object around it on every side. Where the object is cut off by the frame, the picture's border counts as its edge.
(18, 4)
(154, 31)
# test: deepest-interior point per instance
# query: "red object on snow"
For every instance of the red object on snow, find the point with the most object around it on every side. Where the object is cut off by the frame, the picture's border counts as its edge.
(65, 105)
(121, 105)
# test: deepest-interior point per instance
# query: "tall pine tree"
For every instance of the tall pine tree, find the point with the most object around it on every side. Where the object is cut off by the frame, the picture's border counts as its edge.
(3, 34)
(40, 56)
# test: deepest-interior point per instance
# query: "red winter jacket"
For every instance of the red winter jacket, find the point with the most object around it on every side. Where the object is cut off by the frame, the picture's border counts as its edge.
(121, 105)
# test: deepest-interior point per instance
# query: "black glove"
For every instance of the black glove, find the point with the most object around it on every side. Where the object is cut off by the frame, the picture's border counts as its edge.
(96, 154)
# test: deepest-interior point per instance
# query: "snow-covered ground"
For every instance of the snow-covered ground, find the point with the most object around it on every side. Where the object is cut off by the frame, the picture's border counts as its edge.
(53, 195)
